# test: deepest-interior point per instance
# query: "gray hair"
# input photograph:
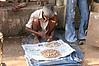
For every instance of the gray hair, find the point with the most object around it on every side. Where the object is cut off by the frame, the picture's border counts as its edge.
(48, 10)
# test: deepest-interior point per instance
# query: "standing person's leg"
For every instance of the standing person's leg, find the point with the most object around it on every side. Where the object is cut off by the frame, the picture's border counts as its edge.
(84, 13)
(70, 34)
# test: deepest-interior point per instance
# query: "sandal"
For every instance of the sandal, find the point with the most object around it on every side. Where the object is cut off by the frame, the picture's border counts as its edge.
(81, 41)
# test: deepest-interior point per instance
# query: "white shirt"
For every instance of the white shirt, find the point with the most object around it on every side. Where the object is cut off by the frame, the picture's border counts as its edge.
(37, 14)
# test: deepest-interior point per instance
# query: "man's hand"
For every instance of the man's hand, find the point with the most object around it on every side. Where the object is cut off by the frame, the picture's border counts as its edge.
(49, 38)
(46, 37)
(41, 34)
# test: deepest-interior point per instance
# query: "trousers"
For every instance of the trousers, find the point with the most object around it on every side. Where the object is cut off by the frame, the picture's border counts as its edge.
(70, 33)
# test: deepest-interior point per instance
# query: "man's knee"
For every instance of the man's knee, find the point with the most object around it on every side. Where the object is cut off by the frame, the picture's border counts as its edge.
(36, 24)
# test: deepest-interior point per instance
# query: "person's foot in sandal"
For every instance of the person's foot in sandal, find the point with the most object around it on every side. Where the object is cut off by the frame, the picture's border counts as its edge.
(81, 41)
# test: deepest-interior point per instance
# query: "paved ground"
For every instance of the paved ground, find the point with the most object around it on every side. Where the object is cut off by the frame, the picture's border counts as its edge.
(14, 56)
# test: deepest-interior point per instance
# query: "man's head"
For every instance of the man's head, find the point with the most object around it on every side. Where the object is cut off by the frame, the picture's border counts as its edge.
(48, 10)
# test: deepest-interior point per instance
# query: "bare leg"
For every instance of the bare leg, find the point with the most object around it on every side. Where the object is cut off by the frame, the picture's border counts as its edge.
(36, 27)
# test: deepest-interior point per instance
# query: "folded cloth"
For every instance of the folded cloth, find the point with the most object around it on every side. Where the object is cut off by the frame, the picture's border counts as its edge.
(61, 62)
(72, 59)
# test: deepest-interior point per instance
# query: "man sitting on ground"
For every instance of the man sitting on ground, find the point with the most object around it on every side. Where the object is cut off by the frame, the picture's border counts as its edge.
(42, 23)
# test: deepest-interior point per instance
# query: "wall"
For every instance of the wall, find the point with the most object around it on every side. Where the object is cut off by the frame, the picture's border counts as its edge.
(13, 23)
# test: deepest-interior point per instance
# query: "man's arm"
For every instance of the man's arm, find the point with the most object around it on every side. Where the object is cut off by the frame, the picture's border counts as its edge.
(35, 27)
(52, 25)
(51, 28)
(32, 31)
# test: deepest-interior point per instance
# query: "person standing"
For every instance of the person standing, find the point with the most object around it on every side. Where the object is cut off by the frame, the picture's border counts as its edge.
(70, 34)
